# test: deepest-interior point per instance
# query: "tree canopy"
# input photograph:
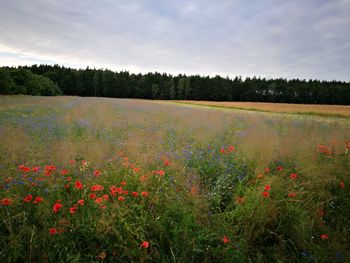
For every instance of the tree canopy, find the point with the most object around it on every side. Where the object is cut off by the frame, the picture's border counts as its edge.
(56, 80)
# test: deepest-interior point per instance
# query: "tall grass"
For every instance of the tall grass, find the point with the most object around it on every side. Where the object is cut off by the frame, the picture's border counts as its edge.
(179, 184)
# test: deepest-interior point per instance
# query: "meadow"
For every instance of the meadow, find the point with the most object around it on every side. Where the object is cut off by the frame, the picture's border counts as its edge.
(119, 180)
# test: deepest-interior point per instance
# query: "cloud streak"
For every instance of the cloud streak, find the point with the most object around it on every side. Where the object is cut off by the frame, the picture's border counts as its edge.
(304, 39)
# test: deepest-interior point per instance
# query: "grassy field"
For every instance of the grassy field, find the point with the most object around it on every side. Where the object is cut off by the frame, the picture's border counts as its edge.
(325, 110)
(118, 180)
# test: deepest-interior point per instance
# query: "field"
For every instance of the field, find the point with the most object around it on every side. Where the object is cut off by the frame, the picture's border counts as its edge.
(322, 110)
(118, 180)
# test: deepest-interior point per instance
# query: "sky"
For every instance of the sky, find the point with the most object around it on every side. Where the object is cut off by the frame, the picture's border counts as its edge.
(306, 39)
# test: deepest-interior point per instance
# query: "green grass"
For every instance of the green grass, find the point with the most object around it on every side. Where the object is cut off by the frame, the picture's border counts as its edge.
(204, 174)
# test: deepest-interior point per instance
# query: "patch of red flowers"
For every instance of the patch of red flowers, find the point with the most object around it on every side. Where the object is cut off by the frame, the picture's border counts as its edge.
(292, 195)
(279, 168)
(342, 184)
(6, 201)
(37, 200)
(53, 231)
(97, 187)
(144, 194)
(266, 194)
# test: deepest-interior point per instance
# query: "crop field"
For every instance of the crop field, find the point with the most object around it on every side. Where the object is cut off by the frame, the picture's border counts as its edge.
(119, 180)
(308, 109)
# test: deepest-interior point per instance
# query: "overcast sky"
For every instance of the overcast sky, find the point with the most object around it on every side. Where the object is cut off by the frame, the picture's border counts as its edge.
(267, 38)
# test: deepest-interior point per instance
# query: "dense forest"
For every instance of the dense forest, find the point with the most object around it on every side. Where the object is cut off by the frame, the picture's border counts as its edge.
(56, 80)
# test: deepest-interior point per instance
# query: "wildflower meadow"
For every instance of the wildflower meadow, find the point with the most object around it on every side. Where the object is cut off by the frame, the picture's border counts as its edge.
(119, 180)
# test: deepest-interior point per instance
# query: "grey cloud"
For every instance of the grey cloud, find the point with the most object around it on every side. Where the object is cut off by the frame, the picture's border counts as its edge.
(305, 39)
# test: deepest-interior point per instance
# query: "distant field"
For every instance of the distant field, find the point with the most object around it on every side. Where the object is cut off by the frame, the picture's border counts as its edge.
(335, 110)
(123, 180)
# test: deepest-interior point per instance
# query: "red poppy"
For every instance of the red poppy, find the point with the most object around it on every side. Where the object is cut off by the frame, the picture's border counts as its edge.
(144, 194)
(56, 207)
(28, 198)
(292, 195)
(97, 187)
(120, 198)
(166, 162)
(38, 199)
(36, 169)
(69, 178)
(267, 187)
(78, 185)
(105, 197)
(222, 150)
(64, 172)
(144, 244)
(97, 173)
(293, 176)
(73, 209)
(72, 162)
(126, 192)
(92, 196)
(279, 168)
(225, 239)
(53, 231)
(266, 194)
(136, 170)
(6, 201)
(98, 200)
(135, 194)
(143, 178)
(81, 202)
(324, 236)
(123, 183)
(267, 170)
(342, 184)
(47, 172)
(66, 186)
(26, 169)
(231, 148)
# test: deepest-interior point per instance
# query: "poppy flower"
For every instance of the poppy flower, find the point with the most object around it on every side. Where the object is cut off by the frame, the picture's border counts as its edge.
(92, 196)
(267, 170)
(78, 185)
(266, 194)
(225, 240)
(120, 198)
(81, 202)
(222, 150)
(72, 162)
(53, 231)
(144, 244)
(38, 199)
(293, 176)
(126, 192)
(267, 187)
(6, 201)
(28, 198)
(136, 169)
(97, 187)
(97, 173)
(56, 207)
(64, 172)
(324, 236)
(73, 209)
(135, 194)
(105, 197)
(342, 184)
(279, 168)
(123, 183)
(98, 200)
(36, 169)
(144, 194)
(47, 172)
(166, 162)
(292, 195)
(143, 178)
(231, 148)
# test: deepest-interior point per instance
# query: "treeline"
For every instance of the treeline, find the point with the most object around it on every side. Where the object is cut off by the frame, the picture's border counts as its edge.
(23, 81)
(53, 80)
